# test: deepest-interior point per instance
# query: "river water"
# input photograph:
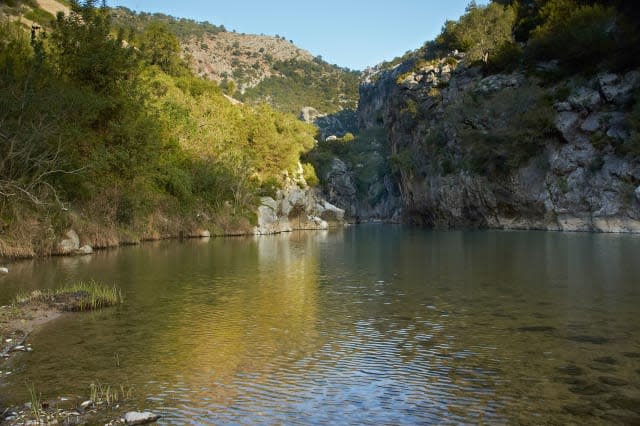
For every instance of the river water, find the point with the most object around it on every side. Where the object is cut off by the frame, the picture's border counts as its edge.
(373, 324)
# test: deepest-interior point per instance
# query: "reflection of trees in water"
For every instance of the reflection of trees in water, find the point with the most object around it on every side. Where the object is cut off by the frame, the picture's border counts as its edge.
(256, 310)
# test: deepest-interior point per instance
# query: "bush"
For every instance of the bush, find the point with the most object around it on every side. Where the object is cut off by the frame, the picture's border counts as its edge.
(579, 36)
(480, 32)
(310, 174)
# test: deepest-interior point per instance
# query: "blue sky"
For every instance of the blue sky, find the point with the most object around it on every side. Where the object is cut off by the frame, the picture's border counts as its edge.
(350, 33)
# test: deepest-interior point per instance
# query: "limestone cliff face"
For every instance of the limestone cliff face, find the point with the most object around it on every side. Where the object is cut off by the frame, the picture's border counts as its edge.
(508, 150)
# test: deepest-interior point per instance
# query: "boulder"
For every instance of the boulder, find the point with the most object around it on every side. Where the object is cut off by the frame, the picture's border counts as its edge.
(562, 106)
(199, 233)
(137, 418)
(330, 213)
(585, 99)
(4, 271)
(617, 126)
(619, 90)
(497, 82)
(593, 122)
(268, 220)
(70, 244)
(86, 249)
(309, 114)
(566, 122)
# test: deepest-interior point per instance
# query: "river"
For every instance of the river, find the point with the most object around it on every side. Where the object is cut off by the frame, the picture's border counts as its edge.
(375, 324)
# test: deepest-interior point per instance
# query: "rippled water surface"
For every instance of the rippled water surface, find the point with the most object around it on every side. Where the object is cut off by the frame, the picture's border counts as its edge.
(366, 325)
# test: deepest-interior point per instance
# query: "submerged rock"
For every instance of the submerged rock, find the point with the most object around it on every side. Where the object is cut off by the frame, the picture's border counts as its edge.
(537, 329)
(606, 360)
(571, 370)
(613, 381)
(596, 340)
(137, 418)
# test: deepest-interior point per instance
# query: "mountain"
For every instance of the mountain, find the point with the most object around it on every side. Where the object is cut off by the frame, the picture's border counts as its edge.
(255, 68)
(479, 128)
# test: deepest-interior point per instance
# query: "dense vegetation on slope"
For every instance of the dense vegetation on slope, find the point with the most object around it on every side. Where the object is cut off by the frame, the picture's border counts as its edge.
(324, 87)
(182, 28)
(120, 137)
(255, 69)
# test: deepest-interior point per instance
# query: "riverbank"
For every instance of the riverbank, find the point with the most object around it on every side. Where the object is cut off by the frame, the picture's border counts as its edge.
(30, 311)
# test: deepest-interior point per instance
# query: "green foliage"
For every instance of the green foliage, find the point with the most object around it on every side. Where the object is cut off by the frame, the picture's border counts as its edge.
(183, 29)
(367, 153)
(79, 296)
(301, 83)
(507, 58)
(40, 16)
(310, 174)
(123, 133)
(481, 32)
(86, 52)
(160, 47)
(411, 108)
(579, 35)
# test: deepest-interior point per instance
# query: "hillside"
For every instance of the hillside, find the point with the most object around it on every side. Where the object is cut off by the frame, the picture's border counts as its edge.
(108, 137)
(254, 68)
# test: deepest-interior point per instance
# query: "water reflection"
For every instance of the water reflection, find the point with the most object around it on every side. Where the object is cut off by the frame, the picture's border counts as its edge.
(368, 325)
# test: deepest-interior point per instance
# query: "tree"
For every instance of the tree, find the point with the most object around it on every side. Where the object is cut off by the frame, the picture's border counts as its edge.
(87, 53)
(160, 47)
(481, 31)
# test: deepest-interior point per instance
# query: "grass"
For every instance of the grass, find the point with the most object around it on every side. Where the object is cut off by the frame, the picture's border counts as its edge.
(35, 402)
(80, 296)
(105, 394)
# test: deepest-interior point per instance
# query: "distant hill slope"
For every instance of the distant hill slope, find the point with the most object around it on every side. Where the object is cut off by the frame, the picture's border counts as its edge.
(251, 68)
(255, 68)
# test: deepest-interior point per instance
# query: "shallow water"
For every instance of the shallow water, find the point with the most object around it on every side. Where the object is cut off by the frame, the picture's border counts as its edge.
(367, 325)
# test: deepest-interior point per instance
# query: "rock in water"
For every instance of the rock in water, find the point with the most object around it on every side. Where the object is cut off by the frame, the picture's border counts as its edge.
(136, 418)
(70, 244)
(4, 271)
(85, 250)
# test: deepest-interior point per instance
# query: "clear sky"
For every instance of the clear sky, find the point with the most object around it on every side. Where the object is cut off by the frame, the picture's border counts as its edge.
(349, 33)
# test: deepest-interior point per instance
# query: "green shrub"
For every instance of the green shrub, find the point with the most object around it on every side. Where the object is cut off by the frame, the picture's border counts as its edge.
(310, 174)
(580, 36)
(40, 16)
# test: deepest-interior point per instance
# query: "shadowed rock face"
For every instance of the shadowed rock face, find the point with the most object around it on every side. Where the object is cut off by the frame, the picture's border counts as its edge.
(576, 179)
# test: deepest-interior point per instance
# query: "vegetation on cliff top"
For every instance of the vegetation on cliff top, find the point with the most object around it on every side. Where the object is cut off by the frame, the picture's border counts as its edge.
(122, 134)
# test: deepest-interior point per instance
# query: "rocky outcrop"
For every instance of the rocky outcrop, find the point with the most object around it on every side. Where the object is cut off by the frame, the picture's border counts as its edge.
(296, 207)
(70, 245)
(380, 201)
(331, 125)
(579, 178)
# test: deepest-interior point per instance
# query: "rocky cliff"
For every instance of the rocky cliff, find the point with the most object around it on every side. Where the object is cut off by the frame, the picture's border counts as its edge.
(516, 150)
(296, 207)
